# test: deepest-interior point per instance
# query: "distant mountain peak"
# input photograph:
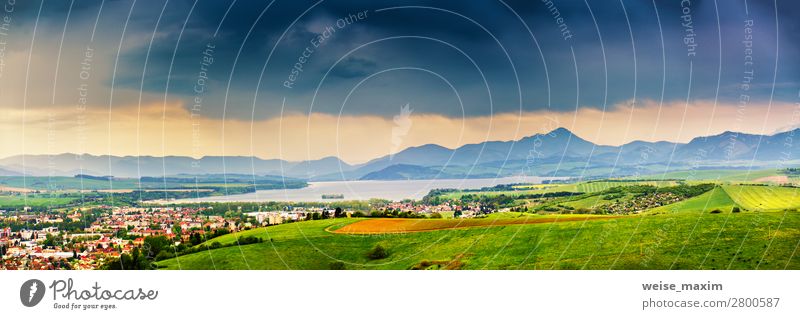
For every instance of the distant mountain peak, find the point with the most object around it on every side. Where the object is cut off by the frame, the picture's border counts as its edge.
(430, 147)
(428, 160)
(560, 131)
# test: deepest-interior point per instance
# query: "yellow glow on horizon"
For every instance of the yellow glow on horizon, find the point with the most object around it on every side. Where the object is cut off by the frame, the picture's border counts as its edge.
(160, 130)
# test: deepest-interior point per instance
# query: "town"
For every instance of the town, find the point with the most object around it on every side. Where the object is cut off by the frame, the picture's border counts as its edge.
(98, 237)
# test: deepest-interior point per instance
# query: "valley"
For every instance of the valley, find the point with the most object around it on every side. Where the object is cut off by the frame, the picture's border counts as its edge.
(614, 224)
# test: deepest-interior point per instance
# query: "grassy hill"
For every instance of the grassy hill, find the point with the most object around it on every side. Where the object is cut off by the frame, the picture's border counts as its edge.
(682, 240)
(583, 187)
(761, 198)
(37, 200)
(700, 231)
(719, 175)
(588, 202)
(716, 198)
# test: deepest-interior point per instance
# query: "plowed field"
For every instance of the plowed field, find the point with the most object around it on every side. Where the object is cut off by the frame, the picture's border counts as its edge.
(400, 225)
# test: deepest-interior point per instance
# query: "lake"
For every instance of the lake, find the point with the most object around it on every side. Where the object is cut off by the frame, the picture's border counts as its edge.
(363, 190)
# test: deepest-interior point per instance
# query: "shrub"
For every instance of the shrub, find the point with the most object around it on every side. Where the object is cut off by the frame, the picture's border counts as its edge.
(715, 211)
(435, 215)
(378, 252)
(736, 209)
(215, 245)
(246, 240)
(337, 265)
(357, 214)
(164, 255)
(613, 196)
(422, 265)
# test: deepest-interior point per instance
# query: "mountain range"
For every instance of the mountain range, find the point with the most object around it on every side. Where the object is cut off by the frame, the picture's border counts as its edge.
(556, 153)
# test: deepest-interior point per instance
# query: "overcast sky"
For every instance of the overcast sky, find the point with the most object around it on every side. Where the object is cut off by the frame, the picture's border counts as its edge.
(611, 71)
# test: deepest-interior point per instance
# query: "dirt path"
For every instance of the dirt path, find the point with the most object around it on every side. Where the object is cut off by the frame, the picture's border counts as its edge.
(16, 189)
(779, 179)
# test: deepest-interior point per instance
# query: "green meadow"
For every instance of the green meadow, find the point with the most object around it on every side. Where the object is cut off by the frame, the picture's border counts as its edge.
(719, 175)
(690, 240)
(584, 187)
(715, 199)
(760, 198)
(701, 232)
(38, 200)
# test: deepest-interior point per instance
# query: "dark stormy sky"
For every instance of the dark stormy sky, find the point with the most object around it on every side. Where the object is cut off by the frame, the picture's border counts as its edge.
(458, 60)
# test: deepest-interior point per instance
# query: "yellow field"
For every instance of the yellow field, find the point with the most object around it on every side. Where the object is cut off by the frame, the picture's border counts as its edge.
(403, 225)
(764, 198)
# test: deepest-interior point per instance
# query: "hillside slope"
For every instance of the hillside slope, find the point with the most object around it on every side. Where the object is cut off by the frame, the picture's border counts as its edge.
(682, 240)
